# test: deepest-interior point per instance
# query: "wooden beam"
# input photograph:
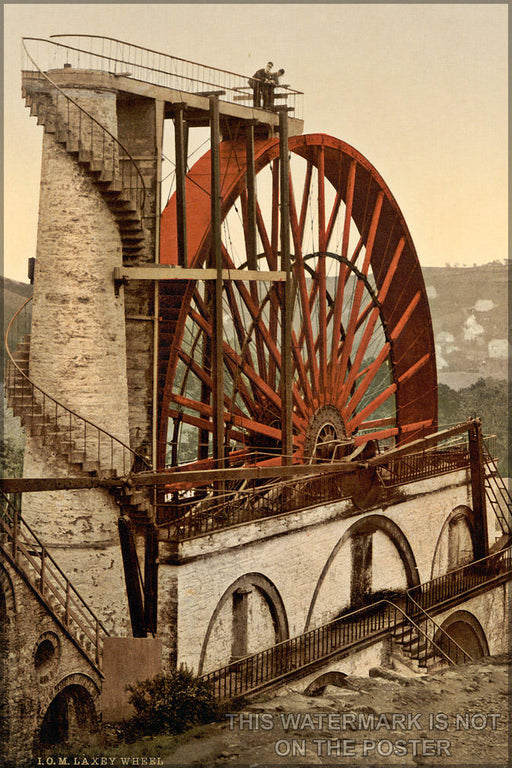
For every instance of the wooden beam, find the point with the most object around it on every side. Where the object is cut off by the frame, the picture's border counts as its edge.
(170, 272)
(415, 446)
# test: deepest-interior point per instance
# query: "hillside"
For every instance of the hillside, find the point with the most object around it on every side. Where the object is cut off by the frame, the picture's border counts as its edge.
(469, 307)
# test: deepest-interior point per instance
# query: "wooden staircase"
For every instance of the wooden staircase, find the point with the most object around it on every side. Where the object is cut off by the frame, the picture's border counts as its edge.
(98, 152)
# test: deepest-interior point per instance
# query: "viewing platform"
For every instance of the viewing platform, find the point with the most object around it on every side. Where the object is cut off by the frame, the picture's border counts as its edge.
(101, 62)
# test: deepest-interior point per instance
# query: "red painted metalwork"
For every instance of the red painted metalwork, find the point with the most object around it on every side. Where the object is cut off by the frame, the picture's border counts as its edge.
(362, 339)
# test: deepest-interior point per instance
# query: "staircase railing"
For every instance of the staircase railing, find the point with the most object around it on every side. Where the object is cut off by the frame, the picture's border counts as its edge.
(463, 579)
(29, 555)
(94, 136)
(365, 624)
(497, 492)
(110, 54)
(81, 435)
(451, 647)
(318, 645)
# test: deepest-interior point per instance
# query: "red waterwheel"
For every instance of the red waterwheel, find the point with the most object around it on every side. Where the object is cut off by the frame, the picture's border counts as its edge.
(362, 344)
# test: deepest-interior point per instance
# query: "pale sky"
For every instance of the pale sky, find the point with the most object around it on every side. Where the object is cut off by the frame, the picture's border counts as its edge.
(420, 90)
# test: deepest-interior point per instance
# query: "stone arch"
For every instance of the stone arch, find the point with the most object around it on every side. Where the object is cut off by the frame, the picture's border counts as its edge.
(327, 678)
(455, 544)
(268, 593)
(367, 526)
(72, 711)
(466, 630)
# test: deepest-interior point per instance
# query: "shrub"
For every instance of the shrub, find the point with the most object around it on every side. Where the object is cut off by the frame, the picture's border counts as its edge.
(171, 703)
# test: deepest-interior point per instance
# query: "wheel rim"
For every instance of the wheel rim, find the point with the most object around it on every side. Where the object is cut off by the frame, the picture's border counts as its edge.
(362, 346)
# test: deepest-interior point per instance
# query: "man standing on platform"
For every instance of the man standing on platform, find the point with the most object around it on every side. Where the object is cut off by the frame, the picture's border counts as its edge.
(268, 89)
(257, 83)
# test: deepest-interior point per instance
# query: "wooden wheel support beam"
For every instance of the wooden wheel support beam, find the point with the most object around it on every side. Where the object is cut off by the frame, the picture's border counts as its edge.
(216, 294)
(286, 293)
(478, 498)
(180, 135)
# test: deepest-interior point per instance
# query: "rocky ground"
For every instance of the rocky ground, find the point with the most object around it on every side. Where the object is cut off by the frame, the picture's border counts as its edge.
(458, 716)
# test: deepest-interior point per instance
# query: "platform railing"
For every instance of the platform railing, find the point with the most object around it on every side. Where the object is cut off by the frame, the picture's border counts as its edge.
(96, 52)
(56, 422)
(424, 464)
(91, 135)
(187, 518)
(409, 624)
(463, 579)
(26, 551)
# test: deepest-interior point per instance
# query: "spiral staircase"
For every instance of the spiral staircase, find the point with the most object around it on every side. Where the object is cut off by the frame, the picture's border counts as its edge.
(84, 446)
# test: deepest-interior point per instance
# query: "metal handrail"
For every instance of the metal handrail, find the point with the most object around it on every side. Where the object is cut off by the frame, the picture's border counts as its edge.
(93, 119)
(24, 542)
(189, 518)
(428, 618)
(166, 56)
(283, 659)
(430, 589)
(196, 517)
(415, 466)
(19, 372)
(276, 657)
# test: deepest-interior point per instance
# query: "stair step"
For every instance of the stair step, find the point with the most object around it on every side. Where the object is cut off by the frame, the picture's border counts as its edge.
(125, 215)
(111, 186)
(132, 238)
(84, 156)
(96, 166)
(62, 135)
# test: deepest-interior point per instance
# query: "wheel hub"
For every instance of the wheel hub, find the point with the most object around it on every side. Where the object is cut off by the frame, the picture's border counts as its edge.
(325, 431)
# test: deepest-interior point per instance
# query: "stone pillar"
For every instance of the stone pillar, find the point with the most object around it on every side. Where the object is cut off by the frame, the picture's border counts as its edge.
(361, 574)
(78, 356)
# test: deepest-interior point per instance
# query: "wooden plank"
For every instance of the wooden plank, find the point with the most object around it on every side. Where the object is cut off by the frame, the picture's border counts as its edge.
(169, 272)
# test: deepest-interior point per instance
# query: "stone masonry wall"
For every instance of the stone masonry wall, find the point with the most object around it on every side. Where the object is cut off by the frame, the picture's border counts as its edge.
(30, 688)
(78, 356)
(292, 551)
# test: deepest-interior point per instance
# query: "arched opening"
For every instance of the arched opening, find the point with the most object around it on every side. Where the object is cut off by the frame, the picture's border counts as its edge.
(249, 617)
(47, 656)
(456, 543)
(466, 631)
(317, 687)
(372, 560)
(70, 715)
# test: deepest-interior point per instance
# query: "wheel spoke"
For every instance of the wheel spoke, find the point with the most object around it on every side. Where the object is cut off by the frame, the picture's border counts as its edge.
(321, 269)
(371, 407)
(358, 294)
(361, 341)
(305, 199)
(369, 376)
